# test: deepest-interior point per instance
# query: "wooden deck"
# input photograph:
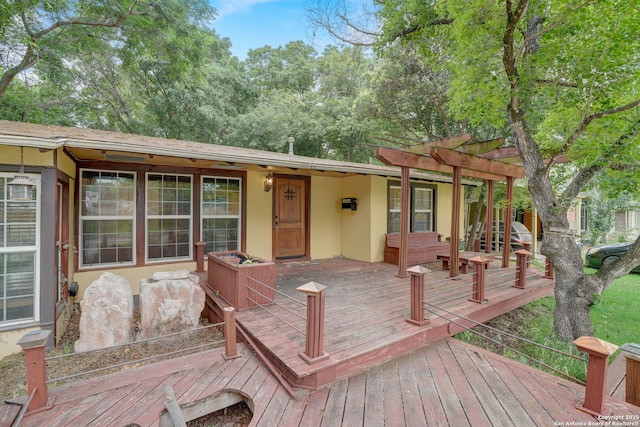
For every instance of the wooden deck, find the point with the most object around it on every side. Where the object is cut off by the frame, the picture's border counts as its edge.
(366, 310)
(445, 383)
(381, 371)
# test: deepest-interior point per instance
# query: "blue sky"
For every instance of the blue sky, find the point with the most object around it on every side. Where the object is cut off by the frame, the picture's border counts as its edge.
(251, 24)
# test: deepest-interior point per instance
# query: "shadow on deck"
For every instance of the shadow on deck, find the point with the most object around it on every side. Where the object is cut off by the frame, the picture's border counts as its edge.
(366, 310)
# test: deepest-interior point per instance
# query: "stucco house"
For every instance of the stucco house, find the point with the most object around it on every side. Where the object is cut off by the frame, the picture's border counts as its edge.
(89, 201)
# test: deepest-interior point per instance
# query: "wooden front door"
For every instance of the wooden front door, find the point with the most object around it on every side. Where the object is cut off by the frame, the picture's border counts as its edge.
(290, 217)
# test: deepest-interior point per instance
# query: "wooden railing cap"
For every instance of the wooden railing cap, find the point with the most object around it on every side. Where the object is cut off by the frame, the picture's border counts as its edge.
(523, 252)
(34, 338)
(631, 351)
(480, 259)
(418, 270)
(311, 288)
(595, 346)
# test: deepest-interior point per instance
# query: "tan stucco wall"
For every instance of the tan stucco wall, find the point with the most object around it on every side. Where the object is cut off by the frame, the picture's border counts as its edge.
(378, 217)
(259, 213)
(325, 217)
(32, 156)
(66, 164)
(356, 225)
(9, 341)
(133, 275)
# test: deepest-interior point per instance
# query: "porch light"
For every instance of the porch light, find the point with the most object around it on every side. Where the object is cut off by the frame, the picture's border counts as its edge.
(268, 182)
(20, 186)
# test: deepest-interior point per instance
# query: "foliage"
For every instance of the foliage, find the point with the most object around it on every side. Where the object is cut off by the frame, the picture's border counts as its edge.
(614, 317)
(567, 77)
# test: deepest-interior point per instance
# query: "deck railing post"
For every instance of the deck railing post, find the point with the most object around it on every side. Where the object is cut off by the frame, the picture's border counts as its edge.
(599, 352)
(527, 247)
(417, 274)
(480, 264)
(33, 345)
(200, 257)
(522, 260)
(229, 331)
(548, 269)
(632, 389)
(313, 351)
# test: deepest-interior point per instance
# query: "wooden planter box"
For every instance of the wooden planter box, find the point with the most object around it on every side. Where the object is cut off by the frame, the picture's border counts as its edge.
(233, 280)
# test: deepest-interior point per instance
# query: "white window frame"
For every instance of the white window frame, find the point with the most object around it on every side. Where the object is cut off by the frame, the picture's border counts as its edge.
(83, 218)
(204, 217)
(147, 217)
(35, 249)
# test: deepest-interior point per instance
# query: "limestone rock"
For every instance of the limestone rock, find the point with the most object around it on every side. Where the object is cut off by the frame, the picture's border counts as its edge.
(107, 313)
(170, 304)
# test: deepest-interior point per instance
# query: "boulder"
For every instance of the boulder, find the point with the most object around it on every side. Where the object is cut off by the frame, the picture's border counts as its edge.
(170, 302)
(106, 313)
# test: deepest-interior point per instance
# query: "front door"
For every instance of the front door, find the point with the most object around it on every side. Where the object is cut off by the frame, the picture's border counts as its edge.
(290, 217)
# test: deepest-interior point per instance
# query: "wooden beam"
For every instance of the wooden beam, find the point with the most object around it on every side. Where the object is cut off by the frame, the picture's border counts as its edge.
(500, 153)
(454, 247)
(474, 163)
(405, 206)
(481, 146)
(453, 142)
(394, 157)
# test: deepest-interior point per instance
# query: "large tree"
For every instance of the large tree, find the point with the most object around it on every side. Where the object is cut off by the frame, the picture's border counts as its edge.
(567, 77)
(47, 39)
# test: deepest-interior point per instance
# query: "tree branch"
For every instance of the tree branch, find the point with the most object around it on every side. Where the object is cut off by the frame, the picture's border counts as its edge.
(585, 123)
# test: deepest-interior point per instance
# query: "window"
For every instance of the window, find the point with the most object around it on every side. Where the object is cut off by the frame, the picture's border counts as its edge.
(19, 235)
(421, 205)
(107, 218)
(168, 217)
(220, 214)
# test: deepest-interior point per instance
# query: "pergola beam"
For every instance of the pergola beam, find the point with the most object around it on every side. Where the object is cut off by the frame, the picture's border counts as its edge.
(474, 163)
(394, 157)
(453, 142)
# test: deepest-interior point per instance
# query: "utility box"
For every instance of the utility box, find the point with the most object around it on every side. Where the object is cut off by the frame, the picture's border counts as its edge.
(350, 203)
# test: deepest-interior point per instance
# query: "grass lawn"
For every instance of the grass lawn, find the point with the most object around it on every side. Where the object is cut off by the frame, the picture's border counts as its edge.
(615, 316)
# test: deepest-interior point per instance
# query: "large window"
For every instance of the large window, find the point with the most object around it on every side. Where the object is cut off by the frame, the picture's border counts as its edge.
(19, 235)
(421, 203)
(107, 218)
(221, 213)
(168, 217)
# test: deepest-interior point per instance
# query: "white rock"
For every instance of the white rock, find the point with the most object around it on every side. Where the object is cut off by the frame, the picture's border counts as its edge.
(170, 305)
(107, 313)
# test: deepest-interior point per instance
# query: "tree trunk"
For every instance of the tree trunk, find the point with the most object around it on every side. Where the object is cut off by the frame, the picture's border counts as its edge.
(573, 290)
(476, 222)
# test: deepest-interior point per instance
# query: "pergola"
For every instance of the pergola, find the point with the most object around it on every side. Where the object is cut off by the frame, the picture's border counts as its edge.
(459, 155)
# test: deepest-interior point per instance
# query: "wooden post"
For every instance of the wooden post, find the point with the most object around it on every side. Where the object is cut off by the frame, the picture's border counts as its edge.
(479, 266)
(200, 257)
(548, 269)
(405, 206)
(229, 332)
(313, 351)
(521, 271)
(599, 352)
(454, 249)
(417, 295)
(527, 247)
(33, 346)
(632, 354)
(506, 236)
(488, 234)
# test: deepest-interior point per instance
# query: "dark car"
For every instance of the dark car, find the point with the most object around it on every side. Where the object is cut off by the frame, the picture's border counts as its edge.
(598, 256)
(519, 235)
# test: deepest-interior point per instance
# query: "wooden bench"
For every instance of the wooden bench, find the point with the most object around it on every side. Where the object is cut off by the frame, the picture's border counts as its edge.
(463, 259)
(422, 248)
